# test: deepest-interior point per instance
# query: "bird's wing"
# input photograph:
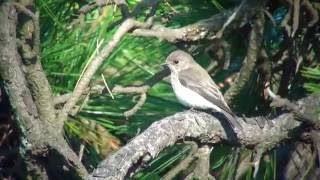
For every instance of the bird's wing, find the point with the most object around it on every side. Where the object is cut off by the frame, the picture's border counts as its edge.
(204, 87)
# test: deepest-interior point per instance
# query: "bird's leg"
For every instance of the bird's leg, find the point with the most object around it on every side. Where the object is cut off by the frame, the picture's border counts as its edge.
(192, 109)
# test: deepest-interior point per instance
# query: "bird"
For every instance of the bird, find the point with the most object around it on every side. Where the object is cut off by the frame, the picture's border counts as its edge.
(193, 86)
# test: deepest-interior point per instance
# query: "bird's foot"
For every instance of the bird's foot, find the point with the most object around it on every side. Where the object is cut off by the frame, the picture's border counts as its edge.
(192, 109)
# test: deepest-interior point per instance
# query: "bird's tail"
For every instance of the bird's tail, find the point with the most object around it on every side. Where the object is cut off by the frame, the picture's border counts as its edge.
(234, 123)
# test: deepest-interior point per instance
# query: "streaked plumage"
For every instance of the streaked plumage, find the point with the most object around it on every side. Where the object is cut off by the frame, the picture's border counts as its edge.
(194, 87)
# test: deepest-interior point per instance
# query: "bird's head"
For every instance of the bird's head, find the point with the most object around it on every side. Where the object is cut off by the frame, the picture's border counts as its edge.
(179, 60)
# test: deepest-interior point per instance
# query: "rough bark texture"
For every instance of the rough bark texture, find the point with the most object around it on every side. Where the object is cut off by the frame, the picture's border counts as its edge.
(11, 70)
(199, 126)
(29, 31)
(40, 136)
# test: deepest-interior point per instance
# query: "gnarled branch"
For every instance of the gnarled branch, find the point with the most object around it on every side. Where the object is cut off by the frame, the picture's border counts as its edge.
(200, 126)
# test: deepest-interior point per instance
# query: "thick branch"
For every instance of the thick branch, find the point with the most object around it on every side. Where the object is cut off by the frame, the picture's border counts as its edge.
(38, 136)
(195, 125)
(13, 77)
(35, 76)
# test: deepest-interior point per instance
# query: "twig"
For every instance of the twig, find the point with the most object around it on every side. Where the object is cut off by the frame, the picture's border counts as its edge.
(243, 167)
(138, 8)
(131, 89)
(96, 51)
(281, 102)
(284, 22)
(307, 116)
(269, 15)
(296, 16)
(233, 164)
(219, 34)
(100, 3)
(201, 170)
(123, 8)
(256, 161)
(183, 164)
(144, 4)
(301, 158)
(142, 90)
(63, 148)
(25, 10)
(126, 26)
(105, 83)
(82, 146)
(153, 9)
(313, 12)
(139, 104)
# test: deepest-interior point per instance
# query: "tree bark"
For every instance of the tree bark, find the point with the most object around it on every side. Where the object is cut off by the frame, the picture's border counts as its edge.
(203, 128)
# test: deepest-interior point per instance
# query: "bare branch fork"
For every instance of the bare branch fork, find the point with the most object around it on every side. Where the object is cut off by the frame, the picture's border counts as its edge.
(198, 126)
(125, 27)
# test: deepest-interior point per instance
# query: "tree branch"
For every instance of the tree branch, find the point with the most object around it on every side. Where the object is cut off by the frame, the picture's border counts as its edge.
(184, 164)
(200, 126)
(13, 77)
(204, 29)
(35, 76)
(30, 94)
(126, 26)
(142, 90)
(249, 63)
(202, 168)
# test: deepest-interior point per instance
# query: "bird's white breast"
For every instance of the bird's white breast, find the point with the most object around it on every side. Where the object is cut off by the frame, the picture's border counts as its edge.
(190, 98)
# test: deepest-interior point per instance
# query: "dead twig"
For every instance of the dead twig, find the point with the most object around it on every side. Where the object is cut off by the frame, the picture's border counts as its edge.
(219, 34)
(125, 27)
(296, 16)
(202, 166)
(309, 117)
(139, 104)
(313, 12)
(184, 163)
(142, 90)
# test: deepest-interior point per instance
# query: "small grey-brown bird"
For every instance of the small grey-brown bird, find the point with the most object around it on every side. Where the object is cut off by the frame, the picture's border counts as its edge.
(194, 87)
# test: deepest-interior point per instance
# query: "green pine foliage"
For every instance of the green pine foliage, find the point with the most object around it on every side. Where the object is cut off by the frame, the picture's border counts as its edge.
(313, 79)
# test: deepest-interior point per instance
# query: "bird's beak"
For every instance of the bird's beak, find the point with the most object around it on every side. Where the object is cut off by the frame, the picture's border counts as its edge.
(164, 65)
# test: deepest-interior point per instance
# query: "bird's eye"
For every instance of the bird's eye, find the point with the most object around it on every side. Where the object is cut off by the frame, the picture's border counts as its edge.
(176, 61)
